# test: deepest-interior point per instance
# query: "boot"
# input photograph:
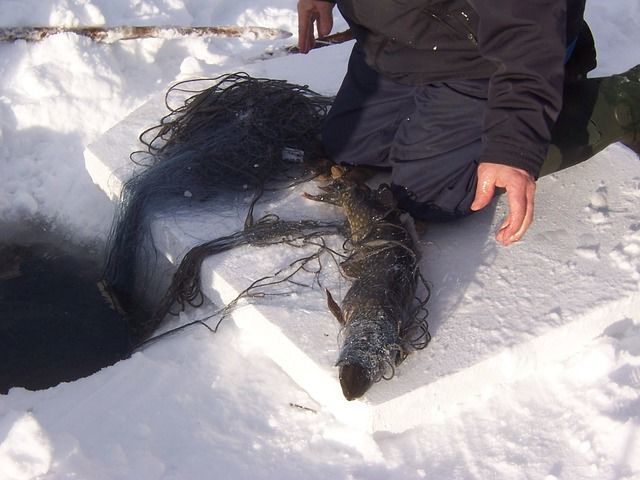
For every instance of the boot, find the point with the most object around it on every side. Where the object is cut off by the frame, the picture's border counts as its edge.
(596, 113)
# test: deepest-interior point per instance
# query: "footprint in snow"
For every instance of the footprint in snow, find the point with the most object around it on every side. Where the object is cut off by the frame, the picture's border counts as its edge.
(626, 255)
(598, 207)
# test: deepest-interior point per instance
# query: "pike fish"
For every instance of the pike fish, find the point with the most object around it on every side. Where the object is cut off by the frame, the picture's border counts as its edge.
(377, 312)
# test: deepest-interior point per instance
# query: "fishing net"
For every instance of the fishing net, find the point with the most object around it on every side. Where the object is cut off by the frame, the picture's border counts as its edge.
(233, 133)
(185, 289)
(243, 135)
(230, 137)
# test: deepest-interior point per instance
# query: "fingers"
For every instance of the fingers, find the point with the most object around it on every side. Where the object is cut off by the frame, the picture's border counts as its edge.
(311, 12)
(325, 20)
(520, 217)
(520, 187)
(305, 28)
(484, 191)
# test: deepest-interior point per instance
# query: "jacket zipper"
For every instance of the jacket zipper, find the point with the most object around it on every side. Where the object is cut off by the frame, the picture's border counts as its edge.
(468, 33)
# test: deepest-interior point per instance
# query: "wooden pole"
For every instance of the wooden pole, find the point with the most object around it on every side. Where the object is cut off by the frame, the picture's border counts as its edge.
(114, 34)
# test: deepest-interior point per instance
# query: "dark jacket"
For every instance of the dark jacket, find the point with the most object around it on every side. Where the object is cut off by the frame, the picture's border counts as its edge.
(519, 45)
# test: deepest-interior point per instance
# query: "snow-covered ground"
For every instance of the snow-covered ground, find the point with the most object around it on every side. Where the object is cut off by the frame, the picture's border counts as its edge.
(211, 407)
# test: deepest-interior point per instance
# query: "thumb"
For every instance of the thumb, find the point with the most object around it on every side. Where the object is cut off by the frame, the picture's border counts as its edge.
(324, 26)
(484, 193)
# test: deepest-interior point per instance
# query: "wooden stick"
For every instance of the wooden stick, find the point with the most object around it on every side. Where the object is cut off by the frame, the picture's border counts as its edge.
(334, 38)
(114, 34)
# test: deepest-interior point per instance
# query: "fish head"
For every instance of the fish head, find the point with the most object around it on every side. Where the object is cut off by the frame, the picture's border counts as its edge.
(354, 380)
(336, 192)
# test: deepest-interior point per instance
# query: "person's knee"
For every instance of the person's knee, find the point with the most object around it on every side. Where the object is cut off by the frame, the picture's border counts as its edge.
(437, 209)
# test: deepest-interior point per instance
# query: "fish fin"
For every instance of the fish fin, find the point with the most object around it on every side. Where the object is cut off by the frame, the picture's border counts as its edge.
(352, 266)
(334, 308)
(326, 197)
(110, 297)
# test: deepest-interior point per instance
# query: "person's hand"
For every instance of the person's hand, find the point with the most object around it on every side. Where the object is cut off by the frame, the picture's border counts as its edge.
(310, 13)
(520, 186)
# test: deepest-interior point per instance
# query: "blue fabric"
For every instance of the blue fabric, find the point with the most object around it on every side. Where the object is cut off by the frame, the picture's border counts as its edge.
(570, 48)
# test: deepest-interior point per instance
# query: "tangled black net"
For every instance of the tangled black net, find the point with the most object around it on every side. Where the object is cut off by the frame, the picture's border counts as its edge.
(240, 134)
(185, 289)
(248, 135)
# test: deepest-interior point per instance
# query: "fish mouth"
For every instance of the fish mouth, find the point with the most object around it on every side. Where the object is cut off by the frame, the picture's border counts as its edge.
(354, 380)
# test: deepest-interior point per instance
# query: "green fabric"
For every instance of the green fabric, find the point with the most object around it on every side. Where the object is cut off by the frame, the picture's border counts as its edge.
(596, 113)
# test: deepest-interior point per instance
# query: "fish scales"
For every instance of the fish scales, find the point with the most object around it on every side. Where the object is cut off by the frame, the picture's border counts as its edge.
(377, 308)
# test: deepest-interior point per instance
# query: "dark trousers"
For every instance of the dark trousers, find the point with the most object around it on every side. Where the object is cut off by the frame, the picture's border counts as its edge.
(429, 136)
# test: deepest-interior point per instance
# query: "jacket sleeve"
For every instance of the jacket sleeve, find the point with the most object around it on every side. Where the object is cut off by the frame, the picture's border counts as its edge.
(526, 41)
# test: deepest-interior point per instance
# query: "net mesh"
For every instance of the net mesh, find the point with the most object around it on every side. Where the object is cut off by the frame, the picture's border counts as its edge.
(231, 133)
(250, 135)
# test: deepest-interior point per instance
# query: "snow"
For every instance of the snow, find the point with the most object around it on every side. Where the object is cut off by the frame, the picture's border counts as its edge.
(200, 405)
(473, 350)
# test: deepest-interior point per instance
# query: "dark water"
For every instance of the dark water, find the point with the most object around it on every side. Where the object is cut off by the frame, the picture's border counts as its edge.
(55, 324)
